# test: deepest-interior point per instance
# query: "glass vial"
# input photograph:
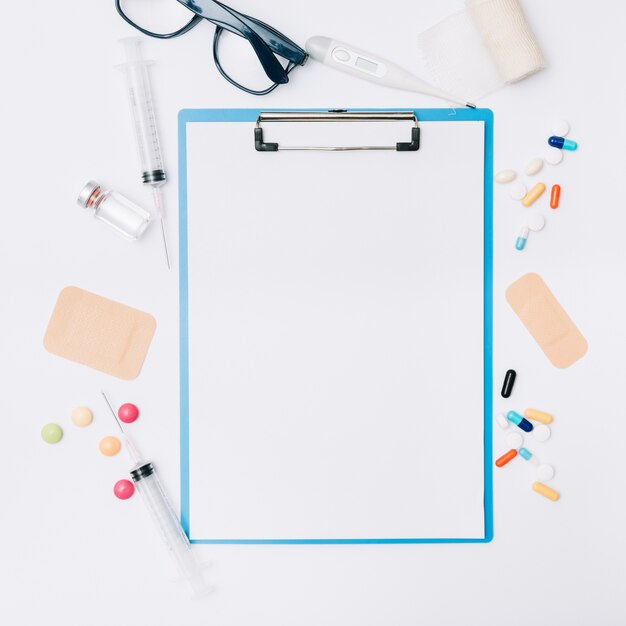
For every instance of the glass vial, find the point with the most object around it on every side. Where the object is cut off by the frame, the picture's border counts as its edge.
(122, 215)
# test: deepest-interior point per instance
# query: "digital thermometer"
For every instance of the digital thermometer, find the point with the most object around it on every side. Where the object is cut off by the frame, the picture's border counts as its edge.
(361, 64)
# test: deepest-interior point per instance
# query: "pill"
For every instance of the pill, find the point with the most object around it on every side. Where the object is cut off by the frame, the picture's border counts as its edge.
(109, 446)
(502, 421)
(507, 385)
(520, 242)
(81, 416)
(545, 472)
(514, 440)
(555, 196)
(527, 455)
(538, 416)
(52, 433)
(533, 194)
(542, 432)
(518, 190)
(506, 457)
(546, 492)
(536, 222)
(123, 489)
(562, 143)
(128, 413)
(534, 166)
(519, 421)
(553, 156)
(506, 176)
(558, 126)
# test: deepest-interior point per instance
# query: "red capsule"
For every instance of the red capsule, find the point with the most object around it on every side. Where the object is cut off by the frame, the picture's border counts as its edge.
(555, 195)
(505, 458)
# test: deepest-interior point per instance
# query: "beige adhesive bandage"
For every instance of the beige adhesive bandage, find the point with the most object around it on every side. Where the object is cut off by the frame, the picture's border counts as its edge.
(100, 333)
(546, 320)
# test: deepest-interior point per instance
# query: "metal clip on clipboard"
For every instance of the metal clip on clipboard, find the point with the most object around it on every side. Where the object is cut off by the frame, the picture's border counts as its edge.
(337, 116)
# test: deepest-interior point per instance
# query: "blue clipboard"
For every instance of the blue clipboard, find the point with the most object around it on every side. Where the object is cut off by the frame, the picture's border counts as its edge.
(187, 116)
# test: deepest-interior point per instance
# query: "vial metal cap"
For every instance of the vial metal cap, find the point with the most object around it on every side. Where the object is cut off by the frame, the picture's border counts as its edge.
(86, 193)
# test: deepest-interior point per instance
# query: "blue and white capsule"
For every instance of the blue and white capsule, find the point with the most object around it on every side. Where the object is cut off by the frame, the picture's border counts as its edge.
(562, 143)
(519, 421)
(526, 454)
(521, 239)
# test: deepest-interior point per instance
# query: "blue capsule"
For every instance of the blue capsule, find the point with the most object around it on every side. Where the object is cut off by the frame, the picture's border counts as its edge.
(521, 240)
(525, 453)
(562, 143)
(519, 421)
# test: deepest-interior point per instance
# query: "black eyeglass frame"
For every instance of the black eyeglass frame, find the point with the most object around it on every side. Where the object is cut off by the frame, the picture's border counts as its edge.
(266, 41)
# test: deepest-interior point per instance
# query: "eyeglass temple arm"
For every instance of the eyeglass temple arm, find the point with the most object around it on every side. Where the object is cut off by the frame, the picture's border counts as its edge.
(279, 43)
(225, 17)
(232, 20)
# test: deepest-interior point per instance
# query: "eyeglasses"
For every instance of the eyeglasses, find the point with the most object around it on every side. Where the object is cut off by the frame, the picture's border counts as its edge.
(268, 44)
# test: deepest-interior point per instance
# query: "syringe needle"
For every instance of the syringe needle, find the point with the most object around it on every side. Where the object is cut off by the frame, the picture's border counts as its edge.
(158, 203)
(167, 254)
(112, 411)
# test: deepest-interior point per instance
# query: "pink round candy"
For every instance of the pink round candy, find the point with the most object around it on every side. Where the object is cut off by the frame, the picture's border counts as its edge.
(128, 413)
(123, 489)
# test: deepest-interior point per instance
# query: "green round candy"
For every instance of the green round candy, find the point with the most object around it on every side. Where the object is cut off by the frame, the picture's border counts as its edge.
(52, 433)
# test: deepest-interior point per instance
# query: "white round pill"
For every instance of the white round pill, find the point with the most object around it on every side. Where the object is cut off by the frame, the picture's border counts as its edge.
(542, 432)
(553, 156)
(558, 126)
(506, 176)
(536, 222)
(545, 472)
(518, 191)
(502, 421)
(534, 166)
(514, 440)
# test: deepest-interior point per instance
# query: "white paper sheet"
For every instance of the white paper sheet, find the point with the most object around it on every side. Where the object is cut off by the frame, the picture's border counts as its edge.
(335, 341)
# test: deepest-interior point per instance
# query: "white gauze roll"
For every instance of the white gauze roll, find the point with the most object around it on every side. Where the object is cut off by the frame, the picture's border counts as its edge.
(506, 34)
(477, 50)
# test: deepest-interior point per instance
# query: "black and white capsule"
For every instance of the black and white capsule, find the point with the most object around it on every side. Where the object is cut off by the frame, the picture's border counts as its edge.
(507, 385)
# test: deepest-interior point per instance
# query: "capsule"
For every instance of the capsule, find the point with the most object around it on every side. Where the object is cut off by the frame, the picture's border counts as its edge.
(506, 457)
(519, 421)
(533, 194)
(546, 492)
(562, 143)
(555, 196)
(507, 385)
(527, 455)
(520, 242)
(502, 421)
(538, 416)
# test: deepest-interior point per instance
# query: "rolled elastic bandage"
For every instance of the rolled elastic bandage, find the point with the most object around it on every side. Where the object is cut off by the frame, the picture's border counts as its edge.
(546, 320)
(477, 50)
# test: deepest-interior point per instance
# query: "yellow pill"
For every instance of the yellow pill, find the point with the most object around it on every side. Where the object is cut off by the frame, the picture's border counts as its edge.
(82, 416)
(109, 446)
(546, 492)
(533, 194)
(538, 416)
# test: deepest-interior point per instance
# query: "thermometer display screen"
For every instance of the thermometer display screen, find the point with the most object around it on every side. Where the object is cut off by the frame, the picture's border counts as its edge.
(364, 64)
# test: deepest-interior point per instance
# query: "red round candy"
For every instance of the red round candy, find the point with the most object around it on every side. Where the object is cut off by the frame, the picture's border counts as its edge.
(128, 413)
(123, 489)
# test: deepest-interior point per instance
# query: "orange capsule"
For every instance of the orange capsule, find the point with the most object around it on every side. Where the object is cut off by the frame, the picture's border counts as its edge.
(505, 458)
(555, 194)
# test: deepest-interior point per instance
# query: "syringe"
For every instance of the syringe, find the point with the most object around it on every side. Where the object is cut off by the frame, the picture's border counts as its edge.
(149, 486)
(144, 119)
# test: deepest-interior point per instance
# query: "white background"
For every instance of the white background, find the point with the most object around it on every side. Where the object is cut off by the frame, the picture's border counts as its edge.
(71, 554)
